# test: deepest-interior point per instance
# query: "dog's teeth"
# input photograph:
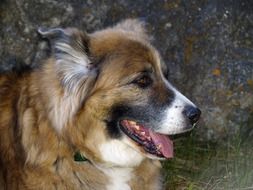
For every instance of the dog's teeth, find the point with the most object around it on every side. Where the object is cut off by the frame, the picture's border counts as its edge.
(132, 122)
(143, 133)
(159, 146)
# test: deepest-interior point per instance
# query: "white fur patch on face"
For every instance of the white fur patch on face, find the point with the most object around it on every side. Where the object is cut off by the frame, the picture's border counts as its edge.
(174, 121)
(119, 153)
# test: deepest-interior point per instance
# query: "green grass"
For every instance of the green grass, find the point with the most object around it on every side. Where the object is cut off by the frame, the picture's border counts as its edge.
(202, 165)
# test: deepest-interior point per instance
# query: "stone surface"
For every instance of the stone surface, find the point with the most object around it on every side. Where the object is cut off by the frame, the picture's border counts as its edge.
(207, 44)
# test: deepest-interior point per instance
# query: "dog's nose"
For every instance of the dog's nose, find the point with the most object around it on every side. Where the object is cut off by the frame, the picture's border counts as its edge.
(193, 113)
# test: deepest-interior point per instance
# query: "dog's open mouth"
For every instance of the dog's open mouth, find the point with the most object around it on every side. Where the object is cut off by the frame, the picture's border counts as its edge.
(152, 142)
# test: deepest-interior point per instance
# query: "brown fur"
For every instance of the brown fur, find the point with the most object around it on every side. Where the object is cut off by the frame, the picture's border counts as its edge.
(34, 154)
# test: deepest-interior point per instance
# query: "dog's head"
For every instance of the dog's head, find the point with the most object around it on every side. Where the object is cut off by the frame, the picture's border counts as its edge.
(119, 106)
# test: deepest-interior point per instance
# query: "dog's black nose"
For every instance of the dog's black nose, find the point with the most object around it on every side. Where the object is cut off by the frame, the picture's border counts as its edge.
(192, 113)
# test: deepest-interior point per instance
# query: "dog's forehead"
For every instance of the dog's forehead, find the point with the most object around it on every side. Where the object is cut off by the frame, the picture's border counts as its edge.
(128, 53)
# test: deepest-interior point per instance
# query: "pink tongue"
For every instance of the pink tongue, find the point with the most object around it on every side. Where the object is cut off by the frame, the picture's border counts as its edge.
(164, 141)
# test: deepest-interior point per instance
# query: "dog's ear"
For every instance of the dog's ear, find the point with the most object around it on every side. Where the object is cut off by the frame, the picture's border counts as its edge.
(136, 26)
(70, 48)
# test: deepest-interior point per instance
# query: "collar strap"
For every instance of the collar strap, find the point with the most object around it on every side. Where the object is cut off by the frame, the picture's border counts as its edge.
(79, 157)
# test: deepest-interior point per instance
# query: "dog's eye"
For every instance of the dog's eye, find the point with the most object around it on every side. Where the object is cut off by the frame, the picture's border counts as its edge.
(143, 81)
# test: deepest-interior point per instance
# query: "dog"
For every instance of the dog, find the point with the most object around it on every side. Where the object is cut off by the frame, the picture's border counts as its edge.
(95, 115)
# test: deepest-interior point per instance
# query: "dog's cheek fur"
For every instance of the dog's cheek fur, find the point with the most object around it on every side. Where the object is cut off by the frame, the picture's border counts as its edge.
(148, 109)
(97, 145)
(122, 107)
(105, 132)
(124, 111)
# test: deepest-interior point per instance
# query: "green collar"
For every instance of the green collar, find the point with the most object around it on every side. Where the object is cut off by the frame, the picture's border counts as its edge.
(79, 157)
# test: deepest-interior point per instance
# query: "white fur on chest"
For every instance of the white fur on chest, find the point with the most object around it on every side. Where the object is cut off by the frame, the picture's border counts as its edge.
(119, 178)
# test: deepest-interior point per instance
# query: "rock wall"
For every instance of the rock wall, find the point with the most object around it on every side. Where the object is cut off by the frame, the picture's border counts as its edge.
(207, 44)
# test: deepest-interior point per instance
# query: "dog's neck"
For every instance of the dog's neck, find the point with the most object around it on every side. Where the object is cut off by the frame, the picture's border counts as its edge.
(144, 176)
(118, 177)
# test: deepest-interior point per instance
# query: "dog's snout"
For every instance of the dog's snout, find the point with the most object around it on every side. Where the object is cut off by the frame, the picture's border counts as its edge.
(193, 113)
